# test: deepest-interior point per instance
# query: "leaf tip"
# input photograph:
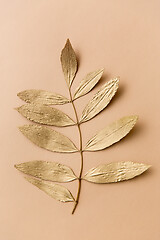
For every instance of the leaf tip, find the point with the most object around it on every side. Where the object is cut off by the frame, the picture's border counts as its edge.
(145, 167)
(68, 41)
(16, 166)
(17, 108)
(117, 79)
(21, 95)
(148, 166)
(101, 70)
(18, 94)
(22, 128)
(136, 117)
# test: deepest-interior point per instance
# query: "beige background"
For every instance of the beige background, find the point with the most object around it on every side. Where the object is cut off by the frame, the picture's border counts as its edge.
(121, 36)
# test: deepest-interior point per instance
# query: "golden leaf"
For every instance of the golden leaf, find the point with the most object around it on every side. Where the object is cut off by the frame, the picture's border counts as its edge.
(42, 96)
(111, 134)
(55, 191)
(100, 100)
(48, 138)
(115, 172)
(69, 63)
(88, 83)
(43, 114)
(42, 173)
(49, 171)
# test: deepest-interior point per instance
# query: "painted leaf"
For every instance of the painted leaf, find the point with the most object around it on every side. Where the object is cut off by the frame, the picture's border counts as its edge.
(55, 191)
(115, 172)
(48, 138)
(100, 100)
(111, 134)
(69, 63)
(43, 114)
(42, 96)
(49, 171)
(88, 83)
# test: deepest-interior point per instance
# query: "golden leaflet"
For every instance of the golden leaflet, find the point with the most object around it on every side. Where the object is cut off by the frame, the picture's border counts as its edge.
(115, 172)
(111, 134)
(55, 191)
(100, 100)
(49, 171)
(48, 138)
(86, 85)
(42, 96)
(43, 114)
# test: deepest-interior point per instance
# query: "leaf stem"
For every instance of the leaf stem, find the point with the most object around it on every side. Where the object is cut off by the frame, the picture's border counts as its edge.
(81, 153)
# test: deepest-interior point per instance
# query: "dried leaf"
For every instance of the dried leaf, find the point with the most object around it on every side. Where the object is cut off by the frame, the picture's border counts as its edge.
(42, 96)
(55, 191)
(41, 173)
(48, 138)
(111, 134)
(100, 100)
(69, 63)
(115, 172)
(88, 83)
(43, 114)
(49, 171)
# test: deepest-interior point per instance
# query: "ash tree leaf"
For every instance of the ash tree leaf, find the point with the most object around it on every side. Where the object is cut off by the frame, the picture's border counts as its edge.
(47, 138)
(100, 100)
(115, 172)
(43, 114)
(69, 63)
(86, 85)
(49, 171)
(55, 191)
(111, 134)
(43, 97)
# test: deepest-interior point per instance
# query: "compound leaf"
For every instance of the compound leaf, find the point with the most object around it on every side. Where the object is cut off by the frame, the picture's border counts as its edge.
(48, 138)
(115, 172)
(49, 171)
(111, 134)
